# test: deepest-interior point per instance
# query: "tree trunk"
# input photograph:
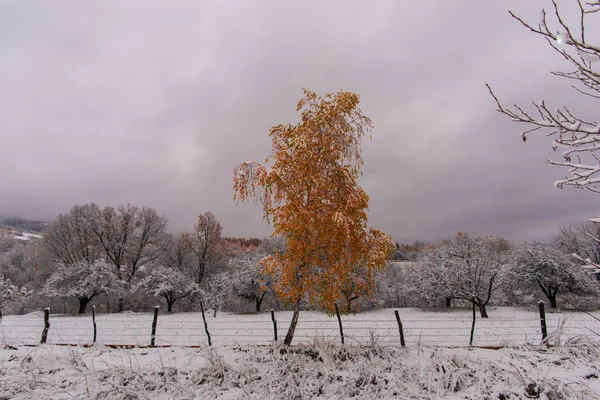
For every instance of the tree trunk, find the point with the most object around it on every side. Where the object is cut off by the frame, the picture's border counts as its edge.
(83, 302)
(552, 299)
(259, 300)
(200, 275)
(448, 302)
(482, 310)
(170, 304)
(290, 334)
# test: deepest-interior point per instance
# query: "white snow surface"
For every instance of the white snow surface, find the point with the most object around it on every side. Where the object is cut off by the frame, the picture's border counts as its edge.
(27, 236)
(244, 363)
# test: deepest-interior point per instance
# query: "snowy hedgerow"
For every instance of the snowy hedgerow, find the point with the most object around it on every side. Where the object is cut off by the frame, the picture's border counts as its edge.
(9, 293)
(84, 280)
(169, 283)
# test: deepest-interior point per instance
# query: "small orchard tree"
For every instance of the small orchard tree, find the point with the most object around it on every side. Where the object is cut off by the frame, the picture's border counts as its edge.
(466, 268)
(311, 196)
(579, 137)
(246, 281)
(84, 280)
(550, 269)
(168, 283)
(10, 293)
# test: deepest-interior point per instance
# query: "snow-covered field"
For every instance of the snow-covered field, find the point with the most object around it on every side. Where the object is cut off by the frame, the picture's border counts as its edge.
(429, 328)
(436, 363)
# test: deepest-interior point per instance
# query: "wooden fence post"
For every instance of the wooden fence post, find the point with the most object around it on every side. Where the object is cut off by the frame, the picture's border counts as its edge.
(46, 325)
(543, 320)
(274, 323)
(473, 324)
(337, 311)
(205, 325)
(154, 321)
(400, 328)
(94, 322)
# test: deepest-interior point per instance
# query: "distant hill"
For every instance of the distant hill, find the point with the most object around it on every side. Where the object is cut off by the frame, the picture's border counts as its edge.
(24, 224)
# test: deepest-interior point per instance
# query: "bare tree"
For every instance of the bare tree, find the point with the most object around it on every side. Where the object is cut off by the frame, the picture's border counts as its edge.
(579, 137)
(130, 237)
(177, 253)
(148, 241)
(205, 243)
(71, 239)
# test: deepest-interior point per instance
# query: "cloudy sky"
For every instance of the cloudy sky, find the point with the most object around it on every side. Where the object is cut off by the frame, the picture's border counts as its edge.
(155, 102)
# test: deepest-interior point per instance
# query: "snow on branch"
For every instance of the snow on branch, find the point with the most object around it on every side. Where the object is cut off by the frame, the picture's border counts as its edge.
(580, 137)
(10, 293)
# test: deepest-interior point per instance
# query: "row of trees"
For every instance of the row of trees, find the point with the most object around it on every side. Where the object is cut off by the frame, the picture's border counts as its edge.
(79, 253)
(472, 269)
(475, 269)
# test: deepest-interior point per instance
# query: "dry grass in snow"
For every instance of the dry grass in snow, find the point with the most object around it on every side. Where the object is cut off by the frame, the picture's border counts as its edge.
(321, 370)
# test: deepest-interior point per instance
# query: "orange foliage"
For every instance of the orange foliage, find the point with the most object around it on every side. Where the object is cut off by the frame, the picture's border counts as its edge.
(312, 198)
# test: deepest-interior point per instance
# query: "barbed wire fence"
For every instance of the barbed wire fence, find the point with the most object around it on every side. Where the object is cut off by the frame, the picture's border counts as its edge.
(140, 330)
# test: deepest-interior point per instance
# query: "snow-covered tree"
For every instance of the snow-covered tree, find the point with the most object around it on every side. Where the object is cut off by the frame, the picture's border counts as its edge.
(582, 242)
(168, 283)
(84, 280)
(9, 294)
(549, 269)
(578, 136)
(574, 41)
(465, 268)
(272, 245)
(246, 280)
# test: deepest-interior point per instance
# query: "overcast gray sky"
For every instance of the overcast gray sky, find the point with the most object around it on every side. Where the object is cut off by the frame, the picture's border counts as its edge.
(155, 102)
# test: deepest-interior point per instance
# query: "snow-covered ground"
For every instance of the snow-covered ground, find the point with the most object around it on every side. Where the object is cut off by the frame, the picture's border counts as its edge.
(27, 236)
(506, 325)
(438, 365)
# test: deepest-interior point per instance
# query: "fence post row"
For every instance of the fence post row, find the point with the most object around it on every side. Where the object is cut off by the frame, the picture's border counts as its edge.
(154, 321)
(473, 324)
(543, 320)
(44, 336)
(337, 311)
(94, 322)
(274, 323)
(205, 325)
(46, 325)
(400, 328)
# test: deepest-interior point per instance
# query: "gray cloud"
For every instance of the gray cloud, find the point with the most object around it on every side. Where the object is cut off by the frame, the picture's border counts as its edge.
(155, 103)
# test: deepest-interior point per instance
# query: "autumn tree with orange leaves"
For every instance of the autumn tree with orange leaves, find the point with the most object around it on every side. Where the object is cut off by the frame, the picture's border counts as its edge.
(311, 196)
